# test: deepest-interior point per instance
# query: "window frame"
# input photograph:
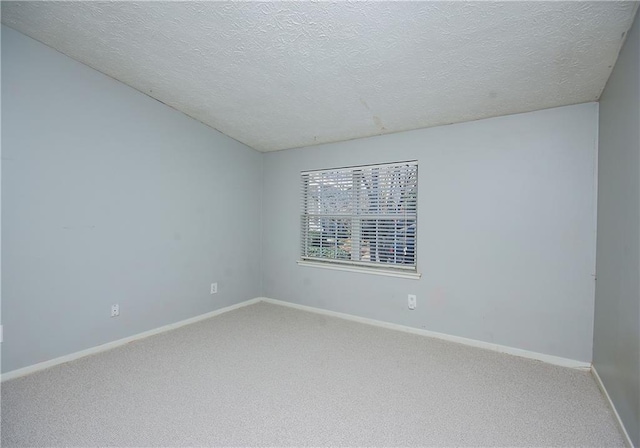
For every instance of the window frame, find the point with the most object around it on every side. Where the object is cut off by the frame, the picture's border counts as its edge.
(357, 217)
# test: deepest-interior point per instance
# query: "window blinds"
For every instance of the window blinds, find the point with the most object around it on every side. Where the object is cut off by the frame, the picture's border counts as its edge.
(364, 215)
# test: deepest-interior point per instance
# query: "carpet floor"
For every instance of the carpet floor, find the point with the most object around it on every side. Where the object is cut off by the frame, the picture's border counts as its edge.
(271, 375)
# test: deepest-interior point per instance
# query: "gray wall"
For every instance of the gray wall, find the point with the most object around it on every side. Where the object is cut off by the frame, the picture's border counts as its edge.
(506, 231)
(109, 196)
(0, 195)
(616, 351)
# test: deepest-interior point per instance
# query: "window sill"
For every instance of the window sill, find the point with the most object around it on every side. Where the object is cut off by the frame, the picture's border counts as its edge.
(361, 269)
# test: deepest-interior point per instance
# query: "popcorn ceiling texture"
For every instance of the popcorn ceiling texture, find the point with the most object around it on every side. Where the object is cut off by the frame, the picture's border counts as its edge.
(285, 75)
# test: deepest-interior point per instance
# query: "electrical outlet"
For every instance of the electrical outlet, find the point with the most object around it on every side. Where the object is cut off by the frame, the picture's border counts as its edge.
(115, 310)
(412, 301)
(214, 288)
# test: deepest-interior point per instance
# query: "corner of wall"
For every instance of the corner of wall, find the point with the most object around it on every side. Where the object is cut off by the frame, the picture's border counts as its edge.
(261, 252)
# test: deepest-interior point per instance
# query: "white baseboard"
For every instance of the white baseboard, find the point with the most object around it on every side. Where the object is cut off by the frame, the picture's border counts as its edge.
(550, 359)
(600, 384)
(110, 345)
(564, 362)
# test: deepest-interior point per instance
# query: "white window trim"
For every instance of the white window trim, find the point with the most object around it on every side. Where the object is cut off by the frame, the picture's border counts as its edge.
(360, 269)
(391, 271)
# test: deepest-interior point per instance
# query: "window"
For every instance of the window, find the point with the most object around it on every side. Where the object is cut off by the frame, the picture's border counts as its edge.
(364, 216)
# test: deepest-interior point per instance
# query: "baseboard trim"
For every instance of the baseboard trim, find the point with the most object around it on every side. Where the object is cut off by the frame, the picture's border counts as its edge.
(625, 434)
(550, 359)
(113, 344)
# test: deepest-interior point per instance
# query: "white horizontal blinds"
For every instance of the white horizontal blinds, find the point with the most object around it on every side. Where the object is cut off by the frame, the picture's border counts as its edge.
(328, 209)
(364, 215)
(389, 213)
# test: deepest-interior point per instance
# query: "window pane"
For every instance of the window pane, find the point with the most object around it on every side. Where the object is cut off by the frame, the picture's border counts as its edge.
(365, 215)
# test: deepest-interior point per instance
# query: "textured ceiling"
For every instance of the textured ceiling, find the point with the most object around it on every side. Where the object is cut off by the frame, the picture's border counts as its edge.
(285, 75)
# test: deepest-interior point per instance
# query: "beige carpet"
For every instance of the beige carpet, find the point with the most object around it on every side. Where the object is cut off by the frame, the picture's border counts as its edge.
(270, 375)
